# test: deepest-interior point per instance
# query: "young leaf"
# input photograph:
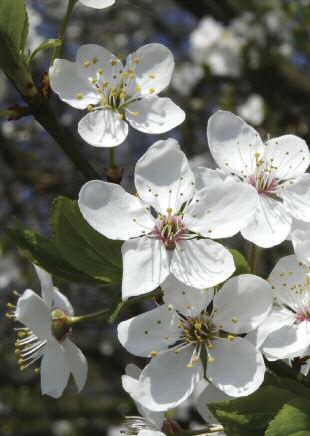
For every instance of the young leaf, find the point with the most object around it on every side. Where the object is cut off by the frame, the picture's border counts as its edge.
(292, 420)
(44, 253)
(13, 23)
(50, 43)
(242, 265)
(250, 415)
(83, 247)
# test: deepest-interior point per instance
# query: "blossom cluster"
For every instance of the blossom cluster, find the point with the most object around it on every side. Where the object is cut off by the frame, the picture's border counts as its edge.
(211, 328)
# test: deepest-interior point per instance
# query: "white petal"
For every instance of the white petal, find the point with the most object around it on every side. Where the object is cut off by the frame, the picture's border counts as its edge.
(131, 386)
(296, 197)
(60, 301)
(233, 143)
(238, 368)
(185, 298)
(288, 341)
(55, 369)
(270, 224)
(70, 81)
(98, 4)
(132, 371)
(150, 433)
(145, 266)
(153, 114)
(289, 282)
(151, 331)
(242, 303)
(207, 178)
(162, 174)
(46, 285)
(34, 314)
(110, 210)
(276, 319)
(301, 243)
(290, 156)
(109, 65)
(209, 394)
(201, 263)
(153, 72)
(221, 210)
(77, 363)
(103, 128)
(167, 381)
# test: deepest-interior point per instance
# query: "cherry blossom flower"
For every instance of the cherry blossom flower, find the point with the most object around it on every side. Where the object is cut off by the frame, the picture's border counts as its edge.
(205, 394)
(286, 331)
(99, 82)
(276, 169)
(149, 420)
(97, 4)
(300, 236)
(186, 334)
(46, 336)
(169, 226)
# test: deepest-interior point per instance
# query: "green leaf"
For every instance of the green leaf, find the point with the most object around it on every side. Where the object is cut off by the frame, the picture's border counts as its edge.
(44, 253)
(13, 23)
(50, 43)
(115, 308)
(83, 247)
(286, 383)
(250, 415)
(292, 420)
(242, 265)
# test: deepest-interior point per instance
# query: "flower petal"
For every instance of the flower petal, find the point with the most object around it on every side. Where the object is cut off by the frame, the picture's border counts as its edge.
(209, 394)
(167, 381)
(103, 128)
(100, 64)
(185, 298)
(242, 303)
(238, 368)
(153, 66)
(34, 314)
(207, 178)
(269, 225)
(145, 266)
(233, 143)
(60, 301)
(288, 341)
(201, 263)
(151, 331)
(55, 369)
(221, 210)
(301, 243)
(290, 156)
(150, 433)
(130, 384)
(276, 319)
(77, 363)
(153, 114)
(296, 197)
(98, 4)
(289, 282)
(162, 174)
(46, 285)
(70, 81)
(110, 210)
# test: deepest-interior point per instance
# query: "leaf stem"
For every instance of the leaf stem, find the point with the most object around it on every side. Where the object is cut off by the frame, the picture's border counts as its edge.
(112, 156)
(203, 431)
(254, 251)
(62, 31)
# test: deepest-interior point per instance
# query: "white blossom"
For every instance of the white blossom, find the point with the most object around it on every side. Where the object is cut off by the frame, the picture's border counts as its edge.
(252, 110)
(46, 336)
(276, 169)
(168, 227)
(112, 93)
(184, 333)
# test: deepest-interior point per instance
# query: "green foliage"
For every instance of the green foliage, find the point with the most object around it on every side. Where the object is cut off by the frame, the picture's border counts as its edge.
(13, 24)
(50, 43)
(76, 252)
(115, 308)
(83, 247)
(242, 265)
(292, 420)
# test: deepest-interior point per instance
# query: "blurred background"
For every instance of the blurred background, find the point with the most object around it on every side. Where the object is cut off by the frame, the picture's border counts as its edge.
(251, 57)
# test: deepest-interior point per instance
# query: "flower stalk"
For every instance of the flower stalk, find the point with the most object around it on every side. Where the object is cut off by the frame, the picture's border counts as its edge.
(203, 431)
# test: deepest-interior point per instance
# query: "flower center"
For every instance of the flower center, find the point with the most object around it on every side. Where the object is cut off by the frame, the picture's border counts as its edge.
(169, 229)
(263, 179)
